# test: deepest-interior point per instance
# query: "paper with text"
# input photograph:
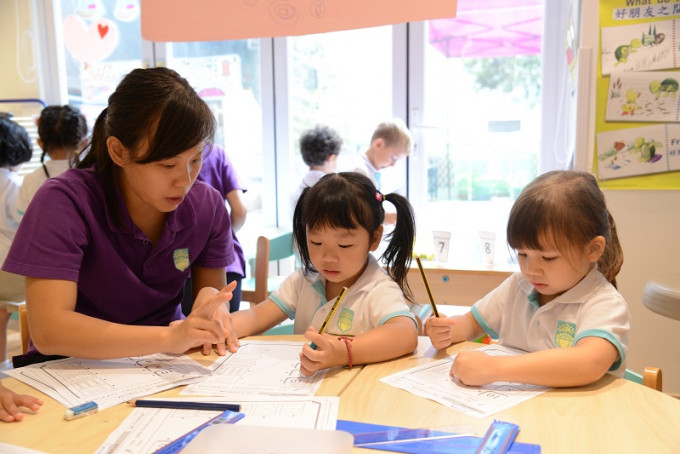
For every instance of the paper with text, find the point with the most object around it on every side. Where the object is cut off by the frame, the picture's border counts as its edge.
(6, 448)
(433, 381)
(259, 368)
(74, 381)
(146, 430)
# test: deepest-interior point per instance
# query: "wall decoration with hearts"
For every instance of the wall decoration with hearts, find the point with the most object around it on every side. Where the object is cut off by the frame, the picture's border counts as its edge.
(90, 43)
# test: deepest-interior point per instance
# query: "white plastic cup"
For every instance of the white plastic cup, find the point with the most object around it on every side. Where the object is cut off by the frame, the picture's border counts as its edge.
(441, 245)
(488, 240)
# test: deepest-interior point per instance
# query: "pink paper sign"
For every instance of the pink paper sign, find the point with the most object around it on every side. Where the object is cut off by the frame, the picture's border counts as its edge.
(217, 20)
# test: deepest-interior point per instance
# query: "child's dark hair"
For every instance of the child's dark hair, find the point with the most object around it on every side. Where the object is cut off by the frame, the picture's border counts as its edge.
(565, 209)
(318, 143)
(61, 127)
(348, 200)
(154, 104)
(15, 145)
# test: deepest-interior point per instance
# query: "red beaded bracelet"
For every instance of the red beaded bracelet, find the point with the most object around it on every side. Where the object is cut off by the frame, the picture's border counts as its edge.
(348, 344)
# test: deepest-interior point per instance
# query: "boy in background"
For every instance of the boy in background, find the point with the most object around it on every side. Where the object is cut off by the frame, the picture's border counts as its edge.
(319, 147)
(391, 141)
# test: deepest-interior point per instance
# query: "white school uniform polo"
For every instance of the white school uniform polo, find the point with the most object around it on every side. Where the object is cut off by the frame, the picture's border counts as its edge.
(592, 308)
(9, 220)
(371, 301)
(35, 179)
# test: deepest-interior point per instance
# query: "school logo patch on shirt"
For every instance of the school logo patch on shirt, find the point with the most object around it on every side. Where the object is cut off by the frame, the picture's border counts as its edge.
(345, 319)
(181, 258)
(564, 336)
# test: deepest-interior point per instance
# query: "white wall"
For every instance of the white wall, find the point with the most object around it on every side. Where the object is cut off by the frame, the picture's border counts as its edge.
(19, 77)
(648, 225)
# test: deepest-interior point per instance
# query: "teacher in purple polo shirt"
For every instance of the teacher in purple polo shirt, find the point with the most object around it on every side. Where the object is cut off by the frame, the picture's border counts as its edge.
(107, 247)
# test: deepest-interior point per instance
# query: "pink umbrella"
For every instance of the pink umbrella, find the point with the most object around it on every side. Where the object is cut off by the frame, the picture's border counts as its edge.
(490, 28)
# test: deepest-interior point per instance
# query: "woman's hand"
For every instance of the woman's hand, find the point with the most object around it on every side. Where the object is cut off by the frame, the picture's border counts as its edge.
(208, 323)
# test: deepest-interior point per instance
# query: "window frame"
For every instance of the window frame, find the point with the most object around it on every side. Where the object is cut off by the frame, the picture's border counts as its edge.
(408, 49)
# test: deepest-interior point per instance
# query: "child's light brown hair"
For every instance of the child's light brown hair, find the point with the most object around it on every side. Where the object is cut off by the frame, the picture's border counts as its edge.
(567, 210)
(394, 133)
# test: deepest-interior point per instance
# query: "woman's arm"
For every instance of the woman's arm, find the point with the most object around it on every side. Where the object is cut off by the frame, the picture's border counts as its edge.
(237, 209)
(582, 364)
(395, 338)
(257, 319)
(56, 329)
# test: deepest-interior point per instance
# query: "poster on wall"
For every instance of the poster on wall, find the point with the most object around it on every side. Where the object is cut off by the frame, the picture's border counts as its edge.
(644, 96)
(640, 47)
(638, 151)
(637, 124)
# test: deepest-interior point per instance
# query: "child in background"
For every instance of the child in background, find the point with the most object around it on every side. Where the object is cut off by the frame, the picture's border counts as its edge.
(218, 171)
(10, 404)
(319, 147)
(15, 149)
(563, 307)
(336, 223)
(120, 233)
(61, 130)
(391, 141)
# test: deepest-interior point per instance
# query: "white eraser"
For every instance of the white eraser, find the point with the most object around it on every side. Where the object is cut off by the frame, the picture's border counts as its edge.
(88, 408)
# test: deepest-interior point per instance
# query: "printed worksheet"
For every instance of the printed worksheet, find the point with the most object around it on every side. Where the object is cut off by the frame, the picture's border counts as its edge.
(146, 430)
(6, 448)
(432, 381)
(74, 381)
(259, 368)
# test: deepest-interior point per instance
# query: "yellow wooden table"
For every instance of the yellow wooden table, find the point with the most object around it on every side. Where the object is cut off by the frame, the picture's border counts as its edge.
(48, 431)
(612, 415)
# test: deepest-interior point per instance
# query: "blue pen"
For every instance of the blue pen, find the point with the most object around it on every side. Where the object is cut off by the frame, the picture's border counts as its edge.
(330, 314)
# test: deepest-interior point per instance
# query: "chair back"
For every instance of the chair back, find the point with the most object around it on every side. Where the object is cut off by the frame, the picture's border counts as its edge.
(23, 328)
(651, 377)
(257, 288)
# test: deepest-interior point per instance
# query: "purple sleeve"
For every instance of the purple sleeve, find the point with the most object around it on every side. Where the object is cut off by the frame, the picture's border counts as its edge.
(218, 171)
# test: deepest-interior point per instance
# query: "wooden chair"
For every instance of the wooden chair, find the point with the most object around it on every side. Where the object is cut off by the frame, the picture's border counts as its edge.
(651, 377)
(256, 288)
(23, 328)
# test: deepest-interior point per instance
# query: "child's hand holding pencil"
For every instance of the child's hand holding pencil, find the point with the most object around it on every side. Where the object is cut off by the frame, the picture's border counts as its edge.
(329, 352)
(439, 330)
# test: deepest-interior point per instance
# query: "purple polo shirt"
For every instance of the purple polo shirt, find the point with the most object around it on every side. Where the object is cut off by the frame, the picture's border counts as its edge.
(218, 172)
(67, 233)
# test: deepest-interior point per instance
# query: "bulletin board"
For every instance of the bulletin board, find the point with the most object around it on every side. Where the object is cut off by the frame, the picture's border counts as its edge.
(637, 118)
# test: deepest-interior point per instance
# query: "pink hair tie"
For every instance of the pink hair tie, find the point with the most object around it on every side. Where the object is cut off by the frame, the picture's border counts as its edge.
(379, 197)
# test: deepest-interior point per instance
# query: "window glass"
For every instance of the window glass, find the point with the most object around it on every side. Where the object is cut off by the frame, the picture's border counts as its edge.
(226, 74)
(482, 143)
(103, 42)
(343, 80)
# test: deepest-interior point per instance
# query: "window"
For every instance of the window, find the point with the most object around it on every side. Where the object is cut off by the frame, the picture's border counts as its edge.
(226, 74)
(477, 121)
(103, 42)
(477, 115)
(343, 80)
